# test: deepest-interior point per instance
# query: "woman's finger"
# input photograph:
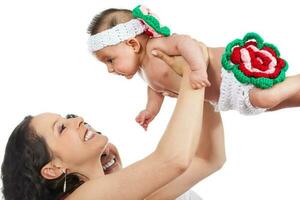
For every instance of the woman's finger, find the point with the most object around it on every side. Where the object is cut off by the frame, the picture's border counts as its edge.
(177, 63)
(167, 59)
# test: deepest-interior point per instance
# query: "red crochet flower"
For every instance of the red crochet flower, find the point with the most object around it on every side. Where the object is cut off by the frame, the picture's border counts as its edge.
(254, 62)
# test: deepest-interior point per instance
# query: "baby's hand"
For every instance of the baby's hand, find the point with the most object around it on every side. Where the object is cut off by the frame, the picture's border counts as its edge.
(144, 118)
(199, 79)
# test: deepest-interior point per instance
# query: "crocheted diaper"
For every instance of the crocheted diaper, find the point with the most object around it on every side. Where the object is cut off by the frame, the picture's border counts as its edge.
(248, 63)
(235, 96)
(254, 62)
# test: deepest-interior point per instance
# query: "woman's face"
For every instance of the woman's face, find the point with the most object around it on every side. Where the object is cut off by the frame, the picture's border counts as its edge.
(75, 144)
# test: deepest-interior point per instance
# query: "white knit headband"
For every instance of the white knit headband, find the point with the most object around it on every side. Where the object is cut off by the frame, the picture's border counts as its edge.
(115, 35)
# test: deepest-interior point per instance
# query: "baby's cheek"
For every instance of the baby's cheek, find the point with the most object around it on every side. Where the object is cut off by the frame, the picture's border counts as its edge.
(124, 67)
(132, 66)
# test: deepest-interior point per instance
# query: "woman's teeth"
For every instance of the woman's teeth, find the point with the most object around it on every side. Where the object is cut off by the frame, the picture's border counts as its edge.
(109, 164)
(88, 135)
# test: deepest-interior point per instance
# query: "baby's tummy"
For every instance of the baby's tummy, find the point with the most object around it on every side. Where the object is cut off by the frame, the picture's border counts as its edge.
(162, 79)
(167, 86)
(166, 90)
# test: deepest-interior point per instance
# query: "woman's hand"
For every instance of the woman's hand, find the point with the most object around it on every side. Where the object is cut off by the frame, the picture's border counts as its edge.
(177, 63)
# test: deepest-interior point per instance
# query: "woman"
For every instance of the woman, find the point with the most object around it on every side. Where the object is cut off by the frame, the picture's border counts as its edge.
(51, 157)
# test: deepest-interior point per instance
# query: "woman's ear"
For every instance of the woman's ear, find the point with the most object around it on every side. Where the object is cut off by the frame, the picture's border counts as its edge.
(50, 171)
(135, 44)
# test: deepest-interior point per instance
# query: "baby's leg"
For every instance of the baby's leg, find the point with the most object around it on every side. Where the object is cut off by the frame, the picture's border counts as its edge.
(284, 94)
(294, 101)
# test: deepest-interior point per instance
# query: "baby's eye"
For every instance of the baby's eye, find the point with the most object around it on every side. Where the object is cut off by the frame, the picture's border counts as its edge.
(109, 60)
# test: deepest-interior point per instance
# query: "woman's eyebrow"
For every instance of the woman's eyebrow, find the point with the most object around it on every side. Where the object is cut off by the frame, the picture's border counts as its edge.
(68, 116)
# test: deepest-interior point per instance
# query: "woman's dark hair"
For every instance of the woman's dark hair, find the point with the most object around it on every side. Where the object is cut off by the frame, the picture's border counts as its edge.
(108, 19)
(25, 155)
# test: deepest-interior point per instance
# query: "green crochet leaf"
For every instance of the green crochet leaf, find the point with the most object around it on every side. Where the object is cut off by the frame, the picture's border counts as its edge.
(256, 37)
(151, 21)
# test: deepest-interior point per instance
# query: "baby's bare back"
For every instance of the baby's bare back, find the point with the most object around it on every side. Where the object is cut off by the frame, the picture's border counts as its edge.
(161, 78)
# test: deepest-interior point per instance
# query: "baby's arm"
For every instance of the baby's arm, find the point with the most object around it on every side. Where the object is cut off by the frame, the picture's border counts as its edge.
(154, 103)
(188, 48)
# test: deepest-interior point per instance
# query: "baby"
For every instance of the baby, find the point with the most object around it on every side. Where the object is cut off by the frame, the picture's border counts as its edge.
(248, 75)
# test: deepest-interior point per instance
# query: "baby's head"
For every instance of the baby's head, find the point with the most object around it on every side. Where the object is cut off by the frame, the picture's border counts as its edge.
(113, 43)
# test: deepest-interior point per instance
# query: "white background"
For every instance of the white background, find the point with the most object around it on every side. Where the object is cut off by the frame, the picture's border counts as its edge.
(45, 66)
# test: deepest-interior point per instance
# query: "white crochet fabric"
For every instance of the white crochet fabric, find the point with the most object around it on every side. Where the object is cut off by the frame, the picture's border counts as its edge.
(235, 96)
(115, 35)
(189, 195)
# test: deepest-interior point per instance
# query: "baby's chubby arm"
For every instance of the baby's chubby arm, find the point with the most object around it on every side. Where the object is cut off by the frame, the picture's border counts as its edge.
(189, 48)
(155, 100)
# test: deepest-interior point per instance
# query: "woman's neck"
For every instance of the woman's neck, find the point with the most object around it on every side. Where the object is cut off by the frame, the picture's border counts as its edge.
(91, 170)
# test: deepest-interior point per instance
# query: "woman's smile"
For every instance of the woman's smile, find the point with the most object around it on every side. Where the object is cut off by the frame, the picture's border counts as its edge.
(89, 135)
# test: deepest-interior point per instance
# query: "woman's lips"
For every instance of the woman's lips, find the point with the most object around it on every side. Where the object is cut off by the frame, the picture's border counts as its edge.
(89, 135)
(89, 132)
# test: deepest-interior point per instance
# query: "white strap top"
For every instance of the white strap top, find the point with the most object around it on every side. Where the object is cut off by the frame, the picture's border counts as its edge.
(189, 195)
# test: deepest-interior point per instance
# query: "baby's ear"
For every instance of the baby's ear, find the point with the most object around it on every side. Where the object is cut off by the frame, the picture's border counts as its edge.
(135, 44)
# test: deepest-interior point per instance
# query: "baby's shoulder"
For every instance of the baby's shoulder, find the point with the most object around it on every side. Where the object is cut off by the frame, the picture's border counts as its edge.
(153, 43)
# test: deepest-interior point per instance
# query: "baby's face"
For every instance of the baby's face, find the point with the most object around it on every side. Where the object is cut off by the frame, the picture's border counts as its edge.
(120, 59)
